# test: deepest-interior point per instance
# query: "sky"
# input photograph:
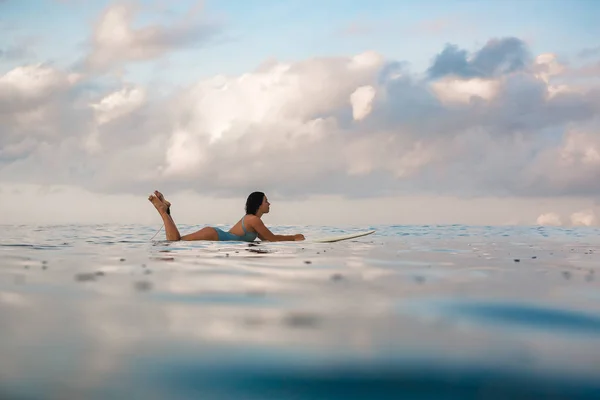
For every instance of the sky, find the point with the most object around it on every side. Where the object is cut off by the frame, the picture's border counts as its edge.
(342, 112)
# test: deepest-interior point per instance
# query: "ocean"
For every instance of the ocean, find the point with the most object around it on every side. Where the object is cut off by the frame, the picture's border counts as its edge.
(411, 312)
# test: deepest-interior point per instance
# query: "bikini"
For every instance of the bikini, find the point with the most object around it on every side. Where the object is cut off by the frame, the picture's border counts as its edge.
(228, 236)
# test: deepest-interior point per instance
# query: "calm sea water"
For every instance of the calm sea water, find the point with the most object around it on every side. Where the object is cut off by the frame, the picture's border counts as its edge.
(427, 312)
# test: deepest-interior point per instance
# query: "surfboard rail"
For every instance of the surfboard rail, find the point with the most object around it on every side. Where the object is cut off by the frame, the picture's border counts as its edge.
(338, 238)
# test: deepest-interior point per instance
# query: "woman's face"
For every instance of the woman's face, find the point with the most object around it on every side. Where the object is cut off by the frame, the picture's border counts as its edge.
(265, 206)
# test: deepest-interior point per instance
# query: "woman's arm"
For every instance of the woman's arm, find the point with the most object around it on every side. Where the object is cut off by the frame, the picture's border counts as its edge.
(265, 234)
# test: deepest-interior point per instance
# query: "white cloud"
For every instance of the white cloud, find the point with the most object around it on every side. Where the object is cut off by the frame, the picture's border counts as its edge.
(33, 102)
(581, 148)
(356, 126)
(118, 104)
(112, 107)
(571, 166)
(551, 218)
(361, 100)
(578, 218)
(584, 218)
(117, 40)
(382, 151)
(184, 155)
(547, 68)
(454, 90)
(547, 65)
(24, 86)
(277, 109)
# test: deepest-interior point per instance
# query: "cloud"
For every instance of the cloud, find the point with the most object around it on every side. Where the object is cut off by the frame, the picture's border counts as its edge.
(563, 77)
(584, 218)
(589, 71)
(578, 218)
(117, 40)
(118, 104)
(570, 167)
(34, 108)
(551, 219)
(356, 126)
(463, 90)
(497, 57)
(22, 86)
(547, 66)
(362, 100)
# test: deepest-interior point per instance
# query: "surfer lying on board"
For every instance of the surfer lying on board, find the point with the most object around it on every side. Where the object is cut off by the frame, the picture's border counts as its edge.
(247, 229)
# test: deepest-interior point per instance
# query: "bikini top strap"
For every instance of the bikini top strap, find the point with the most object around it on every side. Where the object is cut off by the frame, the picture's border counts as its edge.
(243, 227)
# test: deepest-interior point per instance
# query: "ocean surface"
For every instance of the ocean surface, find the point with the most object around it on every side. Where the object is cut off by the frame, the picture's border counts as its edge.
(411, 312)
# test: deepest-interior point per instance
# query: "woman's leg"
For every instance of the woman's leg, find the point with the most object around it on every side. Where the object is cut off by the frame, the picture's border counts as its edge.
(206, 233)
(170, 227)
(172, 233)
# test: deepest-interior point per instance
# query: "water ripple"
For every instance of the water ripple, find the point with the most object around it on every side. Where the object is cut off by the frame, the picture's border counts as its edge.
(527, 316)
(433, 311)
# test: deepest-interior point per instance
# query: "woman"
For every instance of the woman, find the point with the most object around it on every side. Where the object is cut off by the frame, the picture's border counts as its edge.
(247, 229)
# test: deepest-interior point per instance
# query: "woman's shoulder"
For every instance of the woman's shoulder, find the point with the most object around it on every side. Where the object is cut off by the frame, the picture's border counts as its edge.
(251, 218)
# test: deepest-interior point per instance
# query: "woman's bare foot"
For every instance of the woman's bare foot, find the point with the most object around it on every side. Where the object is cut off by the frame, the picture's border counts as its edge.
(162, 198)
(160, 206)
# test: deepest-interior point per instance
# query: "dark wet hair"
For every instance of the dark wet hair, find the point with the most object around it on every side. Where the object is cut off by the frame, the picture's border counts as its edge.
(253, 202)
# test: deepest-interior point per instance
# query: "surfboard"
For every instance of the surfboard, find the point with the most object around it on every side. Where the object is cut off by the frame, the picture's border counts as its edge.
(331, 239)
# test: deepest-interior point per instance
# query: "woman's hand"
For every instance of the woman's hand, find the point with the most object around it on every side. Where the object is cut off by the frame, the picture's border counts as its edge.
(298, 237)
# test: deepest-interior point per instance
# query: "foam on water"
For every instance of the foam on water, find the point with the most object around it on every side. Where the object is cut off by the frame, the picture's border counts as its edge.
(409, 312)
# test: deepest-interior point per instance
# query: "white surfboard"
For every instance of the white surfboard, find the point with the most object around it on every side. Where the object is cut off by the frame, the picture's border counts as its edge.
(331, 239)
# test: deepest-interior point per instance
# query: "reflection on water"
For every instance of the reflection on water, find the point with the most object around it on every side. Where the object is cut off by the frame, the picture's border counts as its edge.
(410, 312)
